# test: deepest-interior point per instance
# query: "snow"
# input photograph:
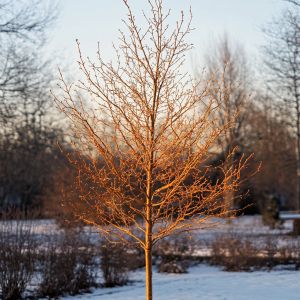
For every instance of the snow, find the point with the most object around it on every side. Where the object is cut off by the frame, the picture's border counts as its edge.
(289, 215)
(249, 225)
(246, 225)
(206, 283)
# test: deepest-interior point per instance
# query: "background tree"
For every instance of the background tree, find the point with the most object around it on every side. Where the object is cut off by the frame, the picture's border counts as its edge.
(282, 58)
(145, 132)
(22, 34)
(26, 132)
(228, 70)
(270, 138)
(294, 2)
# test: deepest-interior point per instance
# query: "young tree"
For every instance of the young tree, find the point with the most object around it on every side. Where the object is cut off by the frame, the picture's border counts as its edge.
(144, 129)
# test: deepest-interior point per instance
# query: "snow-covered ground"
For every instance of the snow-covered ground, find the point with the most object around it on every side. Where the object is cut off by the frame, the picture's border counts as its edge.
(245, 225)
(204, 282)
(248, 225)
(207, 283)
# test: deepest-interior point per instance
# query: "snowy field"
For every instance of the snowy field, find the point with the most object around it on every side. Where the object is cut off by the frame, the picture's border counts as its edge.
(246, 225)
(207, 283)
(204, 282)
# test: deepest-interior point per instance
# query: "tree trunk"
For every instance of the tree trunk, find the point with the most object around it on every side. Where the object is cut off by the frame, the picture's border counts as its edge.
(149, 224)
(297, 99)
(229, 202)
(148, 237)
(298, 161)
(228, 195)
(148, 259)
(296, 227)
(296, 223)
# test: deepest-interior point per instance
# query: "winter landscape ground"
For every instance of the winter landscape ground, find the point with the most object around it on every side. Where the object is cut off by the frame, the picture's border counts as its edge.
(265, 264)
(205, 282)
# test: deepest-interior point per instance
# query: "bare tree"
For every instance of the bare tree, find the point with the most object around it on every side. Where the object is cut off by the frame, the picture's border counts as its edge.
(229, 72)
(147, 132)
(282, 57)
(273, 143)
(25, 76)
(22, 33)
(294, 2)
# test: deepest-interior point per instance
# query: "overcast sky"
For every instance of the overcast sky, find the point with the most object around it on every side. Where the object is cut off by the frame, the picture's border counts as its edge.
(99, 20)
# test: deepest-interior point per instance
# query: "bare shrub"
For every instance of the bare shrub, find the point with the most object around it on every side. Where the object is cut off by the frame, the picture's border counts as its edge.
(68, 266)
(172, 266)
(296, 254)
(56, 271)
(17, 256)
(234, 253)
(174, 254)
(136, 258)
(271, 254)
(237, 253)
(289, 253)
(114, 263)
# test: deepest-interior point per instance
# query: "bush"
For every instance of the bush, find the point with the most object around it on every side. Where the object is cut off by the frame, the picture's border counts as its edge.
(114, 263)
(234, 253)
(17, 256)
(174, 254)
(289, 253)
(68, 267)
(172, 266)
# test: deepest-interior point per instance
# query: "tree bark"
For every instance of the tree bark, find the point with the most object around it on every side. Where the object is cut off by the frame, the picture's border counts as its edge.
(148, 259)
(298, 160)
(148, 237)
(229, 195)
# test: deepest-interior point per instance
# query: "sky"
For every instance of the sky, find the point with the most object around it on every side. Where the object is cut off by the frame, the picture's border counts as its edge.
(93, 21)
